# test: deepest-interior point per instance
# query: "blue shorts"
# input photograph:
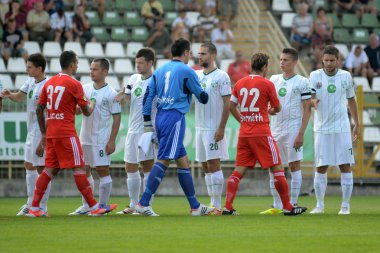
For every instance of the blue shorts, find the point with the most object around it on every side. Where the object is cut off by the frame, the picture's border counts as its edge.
(170, 128)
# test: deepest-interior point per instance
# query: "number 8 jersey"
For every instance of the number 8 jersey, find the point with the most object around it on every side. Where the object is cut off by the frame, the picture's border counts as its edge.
(253, 93)
(61, 94)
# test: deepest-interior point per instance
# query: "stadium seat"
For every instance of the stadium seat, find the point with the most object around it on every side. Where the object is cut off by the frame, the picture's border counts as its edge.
(100, 34)
(125, 80)
(370, 21)
(32, 47)
(168, 5)
(366, 119)
(193, 16)
(93, 18)
(191, 63)
(16, 65)
(350, 20)
(119, 34)
(287, 19)
(2, 65)
(133, 48)
(371, 134)
(376, 84)
(341, 35)
(375, 118)
(321, 3)
(371, 98)
(225, 63)
(114, 82)
(195, 48)
(84, 79)
(112, 18)
(363, 81)
(360, 35)
(281, 6)
(83, 66)
(51, 49)
(123, 66)
(335, 20)
(124, 5)
(114, 50)
(93, 50)
(7, 82)
(55, 66)
(161, 62)
(20, 80)
(376, 31)
(343, 49)
(139, 34)
(74, 46)
(132, 18)
(377, 156)
(139, 4)
(1, 31)
(170, 17)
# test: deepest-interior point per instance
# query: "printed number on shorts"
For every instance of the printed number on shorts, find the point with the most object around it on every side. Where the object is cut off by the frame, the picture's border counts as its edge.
(252, 92)
(101, 153)
(50, 91)
(214, 146)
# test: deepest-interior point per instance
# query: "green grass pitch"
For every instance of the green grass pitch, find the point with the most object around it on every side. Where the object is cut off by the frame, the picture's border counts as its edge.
(176, 231)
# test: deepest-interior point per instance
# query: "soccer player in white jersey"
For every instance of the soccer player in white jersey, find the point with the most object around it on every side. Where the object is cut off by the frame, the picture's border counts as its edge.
(97, 136)
(288, 126)
(333, 90)
(210, 123)
(34, 159)
(134, 92)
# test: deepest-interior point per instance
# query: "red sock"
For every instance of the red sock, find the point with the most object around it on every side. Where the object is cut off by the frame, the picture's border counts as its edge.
(232, 187)
(41, 185)
(282, 188)
(84, 187)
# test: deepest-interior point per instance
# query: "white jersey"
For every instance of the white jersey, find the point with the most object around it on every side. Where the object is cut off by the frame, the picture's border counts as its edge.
(291, 92)
(216, 84)
(137, 87)
(96, 128)
(32, 91)
(331, 115)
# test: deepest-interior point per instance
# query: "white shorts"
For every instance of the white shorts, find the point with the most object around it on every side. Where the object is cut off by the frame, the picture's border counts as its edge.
(285, 144)
(95, 156)
(207, 149)
(333, 149)
(30, 156)
(132, 153)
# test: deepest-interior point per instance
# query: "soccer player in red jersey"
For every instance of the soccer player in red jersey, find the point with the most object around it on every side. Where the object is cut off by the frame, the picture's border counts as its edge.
(253, 94)
(60, 96)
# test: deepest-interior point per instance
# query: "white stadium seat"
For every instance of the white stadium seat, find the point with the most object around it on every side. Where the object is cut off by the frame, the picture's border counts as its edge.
(225, 63)
(51, 49)
(20, 80)
(287, 19)
(2, 65)
(16, 65)
(343, 49)
(195, 48)
(7, 82)
(363, 81)
(281, 5)
(371, 134)
(133, 48)
(193, 16)
(93, 50)
(32, 47)
(74, 46)
(114, 82)
(55, 66)
(125, 81)
(84, 79)
(83, 66)
(377, 157)
(376, 84)
(123, 66)
(114, 50)
(161, 62)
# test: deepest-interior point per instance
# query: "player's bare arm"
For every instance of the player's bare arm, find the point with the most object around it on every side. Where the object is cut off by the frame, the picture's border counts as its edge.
(121, 95)
(14, 96)
(352, 106)
(274, 110)
(110, 147)
(41, 123)
(219, 134)
(88, 109)
(234, 111)
(306, 104)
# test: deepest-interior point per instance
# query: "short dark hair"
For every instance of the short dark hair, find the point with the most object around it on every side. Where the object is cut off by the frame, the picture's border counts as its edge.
(258, 61)
(148, 54)
(211, 47)
(331, 50)
(38, 60)
(179, 47)
(321, 8)
(67, 58)
(104, 63)
(291, 51)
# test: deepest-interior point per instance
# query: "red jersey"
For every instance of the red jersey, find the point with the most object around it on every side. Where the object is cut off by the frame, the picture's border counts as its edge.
(60, 95)
(253, 93)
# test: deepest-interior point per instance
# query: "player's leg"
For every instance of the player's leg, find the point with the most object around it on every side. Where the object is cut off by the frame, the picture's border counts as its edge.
(320, 185)
(146, 167)
(200, 156)
(232, 187)
(294, 158)
(217, 181)
(31, 178)
(208, 181)
(133, 183)
(346, 182)
(45, 198)
(91, 181)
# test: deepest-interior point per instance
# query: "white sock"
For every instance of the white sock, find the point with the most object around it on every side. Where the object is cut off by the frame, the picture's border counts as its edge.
(209, 186)
(105, 187)
(346, 182)
(146, 175)
(320, 184)
(92, 184)
(45, 198)
(295, 186)
(217, 180)
(277, 203)
(31, 179)
(134, 185)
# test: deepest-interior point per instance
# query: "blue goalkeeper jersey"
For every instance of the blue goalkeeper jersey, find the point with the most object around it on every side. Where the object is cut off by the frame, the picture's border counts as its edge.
(173, 84)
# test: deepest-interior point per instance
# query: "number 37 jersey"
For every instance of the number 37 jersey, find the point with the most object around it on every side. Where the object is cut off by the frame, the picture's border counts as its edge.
(60, 95)
(253, 94)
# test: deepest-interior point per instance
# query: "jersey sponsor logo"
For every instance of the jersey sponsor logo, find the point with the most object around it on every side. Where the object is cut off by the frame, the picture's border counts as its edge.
(331, 88)
(138, 92)
(55, 116)
(165, 100)
(255, 117)
(30, 95)
(282, 92)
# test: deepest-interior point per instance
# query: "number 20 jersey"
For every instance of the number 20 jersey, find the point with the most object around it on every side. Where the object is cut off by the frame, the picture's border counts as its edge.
(60, 95)
(252, 94)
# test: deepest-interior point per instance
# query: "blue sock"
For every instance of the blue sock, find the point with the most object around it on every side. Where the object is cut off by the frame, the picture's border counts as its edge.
(186, 182)
(154, 180)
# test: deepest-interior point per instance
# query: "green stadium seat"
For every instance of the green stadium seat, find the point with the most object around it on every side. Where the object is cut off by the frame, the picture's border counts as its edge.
(377, 4)
(100, 34)
(322, 3)
(93, 17)
(139, 34)
(168, 5)
(376, 118)
(132, 18)
(341, 35)
(119, 34)
(350, 21)
(169, 17)
(360, 35)
(376, 31)
(124, 5)
(112, 18)
(139, 4)
(1, 31)
(335, 20)
(370, 21)
(371, 98)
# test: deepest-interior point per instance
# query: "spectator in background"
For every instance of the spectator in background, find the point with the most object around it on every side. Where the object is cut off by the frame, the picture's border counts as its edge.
(347, 6)
(367, 6)
(324, 22)
(62, 26)
(159, 39)
(81, 25)
(240, 68)
(99, 5)
(13, 41)
(206, 22)
(222, 38)
(318, 42)
(187, 5)
(373, 54)
(152, 11)
(181, 27)
(28, 5)
(228, 9)
(38, 22)
(19, 15)
(302, 28)
(4, 8)
(357, 63)
(51, 6)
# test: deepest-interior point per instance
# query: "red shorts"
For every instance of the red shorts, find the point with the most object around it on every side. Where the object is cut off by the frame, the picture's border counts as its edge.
(261, 148)
(64, 153)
